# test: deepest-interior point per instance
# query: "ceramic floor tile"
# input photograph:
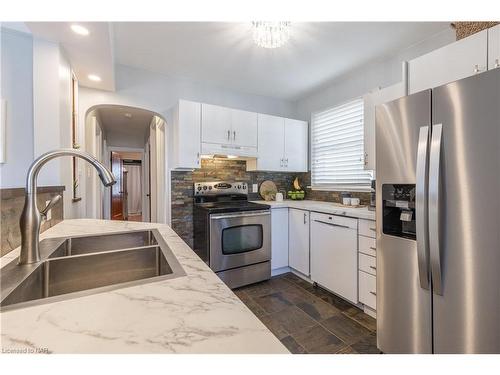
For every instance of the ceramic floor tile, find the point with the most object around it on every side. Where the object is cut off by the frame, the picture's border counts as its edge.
(292, 345)
(367, 345)
(346, 329)
(293, 319)
(317, 340)
(364, 319)
(273, 302)
(318, 309)
(291, 308)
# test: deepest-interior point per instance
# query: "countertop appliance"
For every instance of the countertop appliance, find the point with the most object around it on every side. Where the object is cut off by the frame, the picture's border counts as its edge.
(438, 247)
(231, 234)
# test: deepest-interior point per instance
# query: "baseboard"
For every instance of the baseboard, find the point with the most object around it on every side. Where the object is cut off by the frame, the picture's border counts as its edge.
(369, 311)
(280, 271)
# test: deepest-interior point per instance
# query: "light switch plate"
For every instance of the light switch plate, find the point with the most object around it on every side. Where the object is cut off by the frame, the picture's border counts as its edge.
(255, 188)
(49, 213)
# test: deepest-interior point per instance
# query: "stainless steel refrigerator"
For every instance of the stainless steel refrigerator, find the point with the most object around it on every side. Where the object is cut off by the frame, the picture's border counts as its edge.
(438, 219)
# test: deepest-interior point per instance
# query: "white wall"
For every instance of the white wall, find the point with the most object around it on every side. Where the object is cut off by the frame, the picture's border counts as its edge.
(17, 89)
(361, 81)
(52, 115)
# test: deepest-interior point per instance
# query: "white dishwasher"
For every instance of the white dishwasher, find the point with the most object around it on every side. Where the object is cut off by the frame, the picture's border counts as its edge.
(334, 254)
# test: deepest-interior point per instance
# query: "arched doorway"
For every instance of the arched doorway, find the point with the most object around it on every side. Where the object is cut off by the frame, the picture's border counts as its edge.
(131, 141)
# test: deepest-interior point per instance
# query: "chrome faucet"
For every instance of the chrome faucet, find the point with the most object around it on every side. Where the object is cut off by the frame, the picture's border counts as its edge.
(31, 217)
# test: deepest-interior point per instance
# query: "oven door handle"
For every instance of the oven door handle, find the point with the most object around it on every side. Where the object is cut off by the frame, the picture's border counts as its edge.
(239, 214)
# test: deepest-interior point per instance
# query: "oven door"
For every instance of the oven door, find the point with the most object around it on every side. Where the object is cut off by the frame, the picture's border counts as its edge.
(239, 239)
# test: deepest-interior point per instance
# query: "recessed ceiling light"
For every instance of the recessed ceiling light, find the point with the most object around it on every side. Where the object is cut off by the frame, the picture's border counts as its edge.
(94, 78)
(80, 30)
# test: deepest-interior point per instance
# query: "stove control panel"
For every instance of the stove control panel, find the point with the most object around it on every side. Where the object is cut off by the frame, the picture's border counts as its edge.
(220, 188)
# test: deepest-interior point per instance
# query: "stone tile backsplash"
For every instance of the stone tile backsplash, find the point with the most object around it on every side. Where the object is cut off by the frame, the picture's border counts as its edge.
(12, 203)
(233, 170)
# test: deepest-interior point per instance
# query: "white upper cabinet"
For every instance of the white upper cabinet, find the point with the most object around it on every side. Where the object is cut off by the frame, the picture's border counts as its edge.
(271, 143)
(244, 128)
(228, 131)
(296, 142)
(282, 145)
(455, 61)
(494, 47)
(185, 146)
(215, 124)
(371, 100)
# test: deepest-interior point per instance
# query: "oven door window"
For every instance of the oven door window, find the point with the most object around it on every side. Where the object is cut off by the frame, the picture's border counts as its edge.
(241, 239)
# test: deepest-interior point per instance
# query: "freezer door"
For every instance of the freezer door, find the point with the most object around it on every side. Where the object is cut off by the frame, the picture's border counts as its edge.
(464, 232)
(403, 305)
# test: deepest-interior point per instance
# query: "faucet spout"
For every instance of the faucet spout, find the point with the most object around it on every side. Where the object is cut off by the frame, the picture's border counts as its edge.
(31, 217)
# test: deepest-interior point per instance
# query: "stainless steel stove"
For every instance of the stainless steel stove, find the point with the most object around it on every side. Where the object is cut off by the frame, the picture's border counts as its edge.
(231, 234)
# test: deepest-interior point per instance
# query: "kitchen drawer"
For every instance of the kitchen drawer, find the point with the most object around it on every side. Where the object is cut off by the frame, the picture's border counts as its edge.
(367, 246)
(368, 289)
(367, 228)
(334, 219)
(368, 264)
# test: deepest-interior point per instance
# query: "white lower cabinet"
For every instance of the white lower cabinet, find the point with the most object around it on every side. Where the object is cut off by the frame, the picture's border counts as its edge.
(279, 238)
(368, 289)
(298, 240)
(334, 254)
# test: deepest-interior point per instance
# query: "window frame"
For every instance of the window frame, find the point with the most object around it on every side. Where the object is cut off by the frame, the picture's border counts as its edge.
(336, 187)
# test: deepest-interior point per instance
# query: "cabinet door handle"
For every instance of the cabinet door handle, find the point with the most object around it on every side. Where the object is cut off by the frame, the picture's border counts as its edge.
(281, 162)
(497, 63)
(234, 135)
(373, 248)
(228, 135)
(305, 215)
(374, 293)
(198, 158)
(477, 69)
(373, 268)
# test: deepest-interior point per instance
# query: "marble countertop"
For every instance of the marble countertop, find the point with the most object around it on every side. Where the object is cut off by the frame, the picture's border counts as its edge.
(196, 313)
(325, 207)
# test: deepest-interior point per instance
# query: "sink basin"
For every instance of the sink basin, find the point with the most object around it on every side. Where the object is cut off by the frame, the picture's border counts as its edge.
(77, 266)
(100, 243)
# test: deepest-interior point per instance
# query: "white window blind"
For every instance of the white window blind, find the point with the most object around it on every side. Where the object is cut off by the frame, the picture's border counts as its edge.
(337, 149)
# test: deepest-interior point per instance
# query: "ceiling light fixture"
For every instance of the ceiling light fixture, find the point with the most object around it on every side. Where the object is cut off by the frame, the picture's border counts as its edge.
(271, 34)
(94, 78)
(80, 30)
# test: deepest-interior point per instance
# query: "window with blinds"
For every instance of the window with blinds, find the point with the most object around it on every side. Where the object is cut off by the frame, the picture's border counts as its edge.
(337, 149)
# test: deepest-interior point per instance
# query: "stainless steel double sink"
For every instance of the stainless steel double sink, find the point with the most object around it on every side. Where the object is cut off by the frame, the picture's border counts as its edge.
(77, 266)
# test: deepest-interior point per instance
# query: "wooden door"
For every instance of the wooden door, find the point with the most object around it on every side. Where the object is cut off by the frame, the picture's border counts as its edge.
(117, 189)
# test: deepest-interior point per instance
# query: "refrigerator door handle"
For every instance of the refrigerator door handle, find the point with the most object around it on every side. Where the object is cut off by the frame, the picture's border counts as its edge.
(434, 206)
(422, 225)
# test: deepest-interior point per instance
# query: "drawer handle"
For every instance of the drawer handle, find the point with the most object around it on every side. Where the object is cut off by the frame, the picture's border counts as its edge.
(373, 293)
(373, 268)
(373, 248)
(331, 224)
(373, 229)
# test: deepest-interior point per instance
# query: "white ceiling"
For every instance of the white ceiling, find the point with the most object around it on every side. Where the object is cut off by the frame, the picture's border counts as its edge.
(121, 130)
(90, 54)
(224, 54)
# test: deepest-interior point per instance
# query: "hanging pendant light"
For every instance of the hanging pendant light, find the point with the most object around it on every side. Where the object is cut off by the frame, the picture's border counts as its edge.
(271, 34)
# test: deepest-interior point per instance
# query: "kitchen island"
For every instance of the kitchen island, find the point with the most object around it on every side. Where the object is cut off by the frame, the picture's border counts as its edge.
(196, 313)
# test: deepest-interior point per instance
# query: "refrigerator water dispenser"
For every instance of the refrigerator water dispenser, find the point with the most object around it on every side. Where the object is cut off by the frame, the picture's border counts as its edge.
(398, 203)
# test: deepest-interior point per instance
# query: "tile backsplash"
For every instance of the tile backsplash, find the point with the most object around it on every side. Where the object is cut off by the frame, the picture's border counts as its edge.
(12, 203)
(233, 170)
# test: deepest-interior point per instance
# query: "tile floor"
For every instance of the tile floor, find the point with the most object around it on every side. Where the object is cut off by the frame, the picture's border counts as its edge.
(308, 319)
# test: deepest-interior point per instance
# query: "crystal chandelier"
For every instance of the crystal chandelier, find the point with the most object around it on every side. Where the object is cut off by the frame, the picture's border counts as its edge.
(271, 34)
